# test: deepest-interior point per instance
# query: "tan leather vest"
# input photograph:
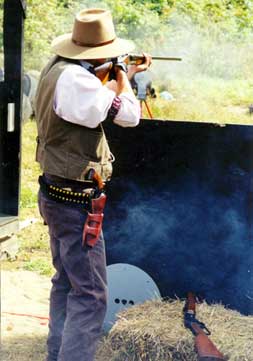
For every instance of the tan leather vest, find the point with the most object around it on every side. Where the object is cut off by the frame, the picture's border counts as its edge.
(65, 149)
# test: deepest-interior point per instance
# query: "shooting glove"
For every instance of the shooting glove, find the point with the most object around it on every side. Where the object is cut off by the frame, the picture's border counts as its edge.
(119, 64)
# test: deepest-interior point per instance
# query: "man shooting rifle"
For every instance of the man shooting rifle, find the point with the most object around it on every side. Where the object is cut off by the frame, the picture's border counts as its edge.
(72, 102)
(106, 71)
(140, 82)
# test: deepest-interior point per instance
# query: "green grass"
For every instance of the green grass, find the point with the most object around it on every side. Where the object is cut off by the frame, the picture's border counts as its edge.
(204, 99)
(40, 265)
(34, 251)
(29, 197)
(30, 169)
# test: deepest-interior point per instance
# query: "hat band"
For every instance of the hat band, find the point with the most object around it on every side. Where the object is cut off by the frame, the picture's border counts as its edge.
(78, 43)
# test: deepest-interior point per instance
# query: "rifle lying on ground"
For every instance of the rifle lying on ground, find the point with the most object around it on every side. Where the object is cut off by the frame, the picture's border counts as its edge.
(106, 72)
(206, 350)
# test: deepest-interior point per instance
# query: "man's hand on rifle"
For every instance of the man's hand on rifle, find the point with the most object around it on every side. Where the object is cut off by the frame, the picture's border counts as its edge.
(137, 68)
(122, 77)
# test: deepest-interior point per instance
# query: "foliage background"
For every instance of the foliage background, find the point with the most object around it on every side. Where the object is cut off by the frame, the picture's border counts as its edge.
(161, 22)
(214, 38)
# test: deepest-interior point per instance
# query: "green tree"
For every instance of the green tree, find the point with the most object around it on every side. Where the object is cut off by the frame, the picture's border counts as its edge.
(160, 6)
(138, 23)
(148, 23)
(133, 20)
(45, 20)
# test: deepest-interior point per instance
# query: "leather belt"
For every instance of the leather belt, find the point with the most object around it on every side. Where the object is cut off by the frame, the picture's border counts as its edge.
(67, 195)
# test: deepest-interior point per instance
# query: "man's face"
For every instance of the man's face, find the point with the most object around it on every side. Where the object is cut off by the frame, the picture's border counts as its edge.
(97, 62)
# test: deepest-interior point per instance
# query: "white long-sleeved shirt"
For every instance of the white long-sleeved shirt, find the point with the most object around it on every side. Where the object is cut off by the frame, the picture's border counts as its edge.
(82, 99)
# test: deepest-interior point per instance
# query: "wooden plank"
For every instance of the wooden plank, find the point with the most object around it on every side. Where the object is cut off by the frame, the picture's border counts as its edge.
(8, 226)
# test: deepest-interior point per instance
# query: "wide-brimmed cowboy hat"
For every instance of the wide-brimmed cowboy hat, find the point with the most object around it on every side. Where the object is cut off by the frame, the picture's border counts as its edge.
(93, 37)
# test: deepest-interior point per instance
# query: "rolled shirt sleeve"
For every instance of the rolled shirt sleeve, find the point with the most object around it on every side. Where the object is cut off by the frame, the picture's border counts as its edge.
(130, 112)
(82, 99)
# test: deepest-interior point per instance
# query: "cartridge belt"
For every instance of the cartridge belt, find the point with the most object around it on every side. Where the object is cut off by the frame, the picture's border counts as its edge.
(71, 195)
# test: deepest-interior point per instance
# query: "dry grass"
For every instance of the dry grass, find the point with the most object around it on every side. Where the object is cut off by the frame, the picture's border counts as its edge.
(154, 331)
(24, 348)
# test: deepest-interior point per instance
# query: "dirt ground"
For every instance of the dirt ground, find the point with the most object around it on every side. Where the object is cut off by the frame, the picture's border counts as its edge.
(24, 316)
(24, 321)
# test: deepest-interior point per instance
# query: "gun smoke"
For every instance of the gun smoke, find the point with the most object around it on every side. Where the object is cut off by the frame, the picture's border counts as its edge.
(183, 210)
(209, 254)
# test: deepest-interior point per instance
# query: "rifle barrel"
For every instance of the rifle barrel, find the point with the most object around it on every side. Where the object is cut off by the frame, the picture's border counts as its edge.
(138, 58)
(170, 58)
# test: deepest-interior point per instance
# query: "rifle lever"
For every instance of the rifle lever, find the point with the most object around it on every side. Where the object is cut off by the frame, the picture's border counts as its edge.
(190, 319)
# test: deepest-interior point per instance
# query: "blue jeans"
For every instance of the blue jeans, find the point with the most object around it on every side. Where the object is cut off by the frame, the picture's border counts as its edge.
(79, 292)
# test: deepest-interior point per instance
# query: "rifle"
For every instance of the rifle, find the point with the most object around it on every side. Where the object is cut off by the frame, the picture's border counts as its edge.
(206, 350)
(105, 71)
(138, 59)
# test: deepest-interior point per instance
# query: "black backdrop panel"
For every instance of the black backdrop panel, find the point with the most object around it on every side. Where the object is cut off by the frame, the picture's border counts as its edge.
(180, 207)
(10, 93)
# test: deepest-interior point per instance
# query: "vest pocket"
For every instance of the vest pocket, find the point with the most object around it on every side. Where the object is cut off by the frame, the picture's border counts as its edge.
(77, 167)
(87, 143)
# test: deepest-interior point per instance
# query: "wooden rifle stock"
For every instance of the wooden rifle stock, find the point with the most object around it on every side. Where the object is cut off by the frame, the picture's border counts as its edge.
(205, 348)
(102, 72)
